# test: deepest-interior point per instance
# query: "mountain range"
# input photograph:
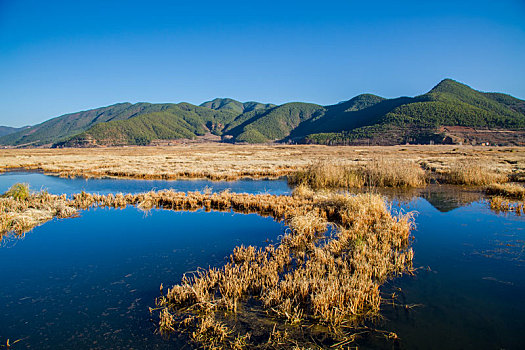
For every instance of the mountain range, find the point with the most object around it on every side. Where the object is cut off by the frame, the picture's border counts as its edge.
(451, 112)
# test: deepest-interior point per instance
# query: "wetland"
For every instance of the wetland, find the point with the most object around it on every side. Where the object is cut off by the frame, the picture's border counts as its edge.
(90, 281)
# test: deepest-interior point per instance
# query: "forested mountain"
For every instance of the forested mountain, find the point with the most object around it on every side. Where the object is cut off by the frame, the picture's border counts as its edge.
(450, 112)
(420, 119)
(6, 130)
(60, 128)
(228, 104)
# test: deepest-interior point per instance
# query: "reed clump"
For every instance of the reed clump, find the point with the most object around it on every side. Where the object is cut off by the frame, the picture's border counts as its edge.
(379, 172)
(508, 190)
(22, 210)
(472, 173)
(383, 172)
(18, 191)
(311, 277)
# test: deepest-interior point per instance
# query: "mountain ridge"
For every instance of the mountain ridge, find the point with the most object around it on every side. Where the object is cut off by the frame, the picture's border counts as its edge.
(363, 119)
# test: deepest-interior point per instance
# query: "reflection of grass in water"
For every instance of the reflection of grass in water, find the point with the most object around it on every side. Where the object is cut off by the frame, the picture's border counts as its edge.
(501, 204)
(315, 287)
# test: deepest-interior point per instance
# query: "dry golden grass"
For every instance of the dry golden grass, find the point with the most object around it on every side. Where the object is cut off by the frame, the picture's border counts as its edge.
(472, 173)
(378, 172)
(20, 214)
(514, 191)
(309, 278)
(225, 161)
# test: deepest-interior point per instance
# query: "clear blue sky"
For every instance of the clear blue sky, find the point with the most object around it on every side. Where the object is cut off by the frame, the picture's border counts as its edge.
(60, 57)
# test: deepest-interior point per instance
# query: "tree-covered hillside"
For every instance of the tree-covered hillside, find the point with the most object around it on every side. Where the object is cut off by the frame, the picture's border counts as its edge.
(7, 130)
(183, 120)
(364, 119)
(228, 104)
(418, 119)
(60, 128)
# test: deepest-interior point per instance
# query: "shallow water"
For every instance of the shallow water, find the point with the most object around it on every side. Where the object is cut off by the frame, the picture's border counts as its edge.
(57, 185)
(471, 283)
(88, 282)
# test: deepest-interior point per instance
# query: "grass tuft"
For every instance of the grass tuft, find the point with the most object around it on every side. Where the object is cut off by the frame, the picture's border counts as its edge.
(19, 191)
(514, 191)
(379, 172)
(472, 173)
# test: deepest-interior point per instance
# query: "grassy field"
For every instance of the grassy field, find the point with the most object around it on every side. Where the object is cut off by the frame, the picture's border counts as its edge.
(224, 161)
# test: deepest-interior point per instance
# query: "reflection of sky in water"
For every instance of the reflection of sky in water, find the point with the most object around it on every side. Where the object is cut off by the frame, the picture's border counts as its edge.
(472, 293)
(89, 281)
(57, 185)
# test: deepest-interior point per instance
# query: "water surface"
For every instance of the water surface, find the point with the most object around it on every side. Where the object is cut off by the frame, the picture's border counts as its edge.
(88, 282)
(58, 185)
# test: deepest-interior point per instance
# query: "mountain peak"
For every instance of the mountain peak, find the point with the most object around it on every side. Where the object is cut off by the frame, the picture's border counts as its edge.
(449, 85)
(223, 103)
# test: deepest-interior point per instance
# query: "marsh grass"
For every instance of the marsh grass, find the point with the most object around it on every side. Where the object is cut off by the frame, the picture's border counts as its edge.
(19, 191)
(508, 190)
(231, 162)
(379, 172)
(507, 198)
(21, 210)
(472, 173)
(313, 276)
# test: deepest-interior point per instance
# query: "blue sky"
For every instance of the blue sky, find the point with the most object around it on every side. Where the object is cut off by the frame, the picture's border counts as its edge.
(60, 57)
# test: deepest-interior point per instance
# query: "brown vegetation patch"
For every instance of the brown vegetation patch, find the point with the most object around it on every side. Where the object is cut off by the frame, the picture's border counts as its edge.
(501, 204)
(323, 285)
(509, 190)
(21, 211)
(472, 173)
(379, 172)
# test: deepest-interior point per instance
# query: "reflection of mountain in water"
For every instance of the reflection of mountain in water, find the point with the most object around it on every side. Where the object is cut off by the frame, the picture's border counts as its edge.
(442, 197)
(447, 198)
